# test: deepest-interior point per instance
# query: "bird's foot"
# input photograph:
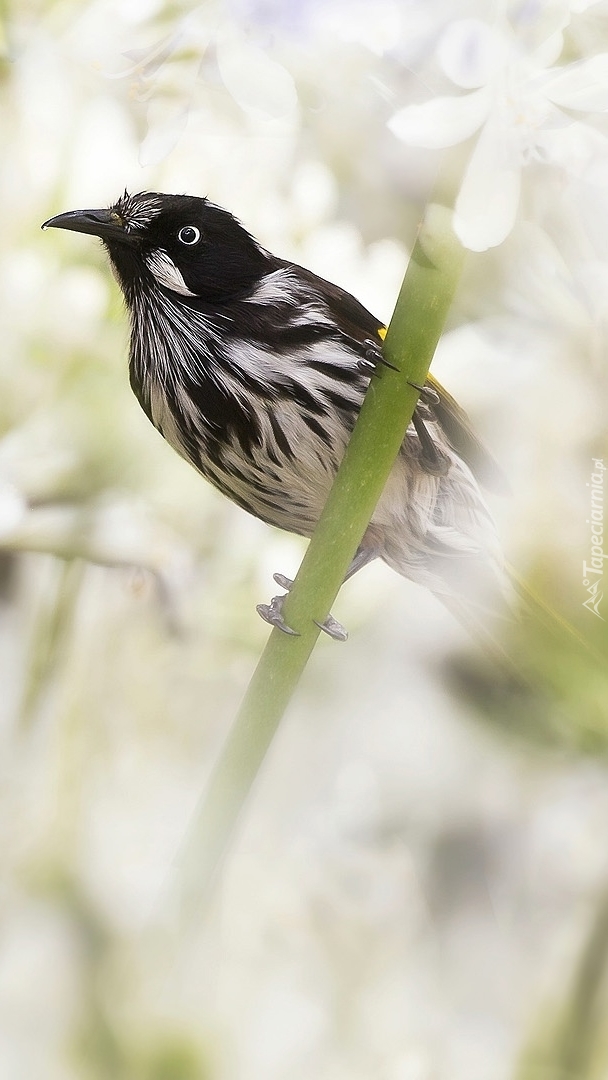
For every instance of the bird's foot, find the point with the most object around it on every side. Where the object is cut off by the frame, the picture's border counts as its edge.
(427, 394)
(282, 581)
(333, 628)
(373, 358)
(272, 613)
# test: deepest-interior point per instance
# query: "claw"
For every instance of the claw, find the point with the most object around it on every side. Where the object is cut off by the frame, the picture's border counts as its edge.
(375, 355)
(282, 581)
(366, 366)
(271, 613)
(373, 358)
(333, 628)
(427, 393)
(383, 362)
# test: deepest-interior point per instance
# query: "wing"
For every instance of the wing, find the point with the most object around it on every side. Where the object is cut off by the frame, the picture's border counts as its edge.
(461, 436)
(366, 333)
(353, 320)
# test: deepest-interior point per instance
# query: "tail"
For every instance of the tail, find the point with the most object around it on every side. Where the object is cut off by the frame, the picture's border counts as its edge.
(473, 588)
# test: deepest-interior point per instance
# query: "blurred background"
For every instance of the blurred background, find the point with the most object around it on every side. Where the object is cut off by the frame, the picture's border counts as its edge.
(418, 890)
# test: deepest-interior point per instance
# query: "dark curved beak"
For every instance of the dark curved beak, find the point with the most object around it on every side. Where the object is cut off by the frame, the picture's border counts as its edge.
(107, 224)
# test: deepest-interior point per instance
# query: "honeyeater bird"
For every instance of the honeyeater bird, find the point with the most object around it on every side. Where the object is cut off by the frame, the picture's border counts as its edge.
(254, 370)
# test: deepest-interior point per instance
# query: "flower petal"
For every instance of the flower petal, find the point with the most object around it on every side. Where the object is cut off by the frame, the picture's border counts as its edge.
(259, 84)
(487, 203)
(470, 52)
(583, 85)
(572, 146)
(166, 125)
(549, 50)
(442, 121)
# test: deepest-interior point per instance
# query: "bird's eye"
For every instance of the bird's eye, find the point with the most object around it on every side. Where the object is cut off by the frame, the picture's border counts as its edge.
(189, 235)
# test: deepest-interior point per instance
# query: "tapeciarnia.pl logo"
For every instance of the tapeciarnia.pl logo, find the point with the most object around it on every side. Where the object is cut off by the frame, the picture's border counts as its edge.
(593, 571)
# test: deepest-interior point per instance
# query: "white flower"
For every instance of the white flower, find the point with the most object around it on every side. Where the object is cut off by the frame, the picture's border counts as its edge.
(174, 75)
(516, 100)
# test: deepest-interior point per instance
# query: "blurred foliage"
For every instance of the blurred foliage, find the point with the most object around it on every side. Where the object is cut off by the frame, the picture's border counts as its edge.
(554, 691)
(411, 885)
(574, 1043)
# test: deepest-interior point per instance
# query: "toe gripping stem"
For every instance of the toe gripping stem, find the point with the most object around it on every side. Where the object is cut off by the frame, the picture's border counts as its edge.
(427, 394)
(273, 613)
(372, 357)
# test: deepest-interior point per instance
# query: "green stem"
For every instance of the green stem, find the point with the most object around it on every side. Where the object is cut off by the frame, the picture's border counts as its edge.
(424, 300)
(573, 1045)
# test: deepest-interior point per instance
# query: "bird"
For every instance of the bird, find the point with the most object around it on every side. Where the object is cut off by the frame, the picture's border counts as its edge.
(254, 369)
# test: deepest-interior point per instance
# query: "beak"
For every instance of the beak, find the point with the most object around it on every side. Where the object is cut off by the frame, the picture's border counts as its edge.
(107, 224)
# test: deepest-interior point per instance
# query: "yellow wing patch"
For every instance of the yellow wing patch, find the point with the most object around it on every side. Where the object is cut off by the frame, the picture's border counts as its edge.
(382, 332)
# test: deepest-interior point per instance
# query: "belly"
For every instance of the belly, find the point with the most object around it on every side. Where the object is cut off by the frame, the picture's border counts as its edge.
(283, 475)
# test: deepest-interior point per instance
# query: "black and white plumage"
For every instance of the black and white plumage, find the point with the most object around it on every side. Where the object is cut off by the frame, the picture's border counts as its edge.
(254, 370)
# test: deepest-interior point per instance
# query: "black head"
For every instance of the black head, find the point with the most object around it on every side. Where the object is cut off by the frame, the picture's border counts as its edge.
(184, 244)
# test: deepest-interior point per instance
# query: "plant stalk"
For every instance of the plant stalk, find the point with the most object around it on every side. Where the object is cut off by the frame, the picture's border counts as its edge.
(415, 328)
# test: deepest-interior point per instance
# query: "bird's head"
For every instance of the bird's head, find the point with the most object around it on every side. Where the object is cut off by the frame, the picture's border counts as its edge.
(182, 243)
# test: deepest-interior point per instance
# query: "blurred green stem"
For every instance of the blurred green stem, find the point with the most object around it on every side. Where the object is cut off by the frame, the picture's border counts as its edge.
(424, 300)
(583, 1020)
(574, 1045)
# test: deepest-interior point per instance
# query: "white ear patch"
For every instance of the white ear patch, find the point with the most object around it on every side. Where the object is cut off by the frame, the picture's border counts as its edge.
(162, 267)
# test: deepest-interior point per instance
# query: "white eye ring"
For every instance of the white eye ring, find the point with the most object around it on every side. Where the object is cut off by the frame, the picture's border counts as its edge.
(189, 235)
